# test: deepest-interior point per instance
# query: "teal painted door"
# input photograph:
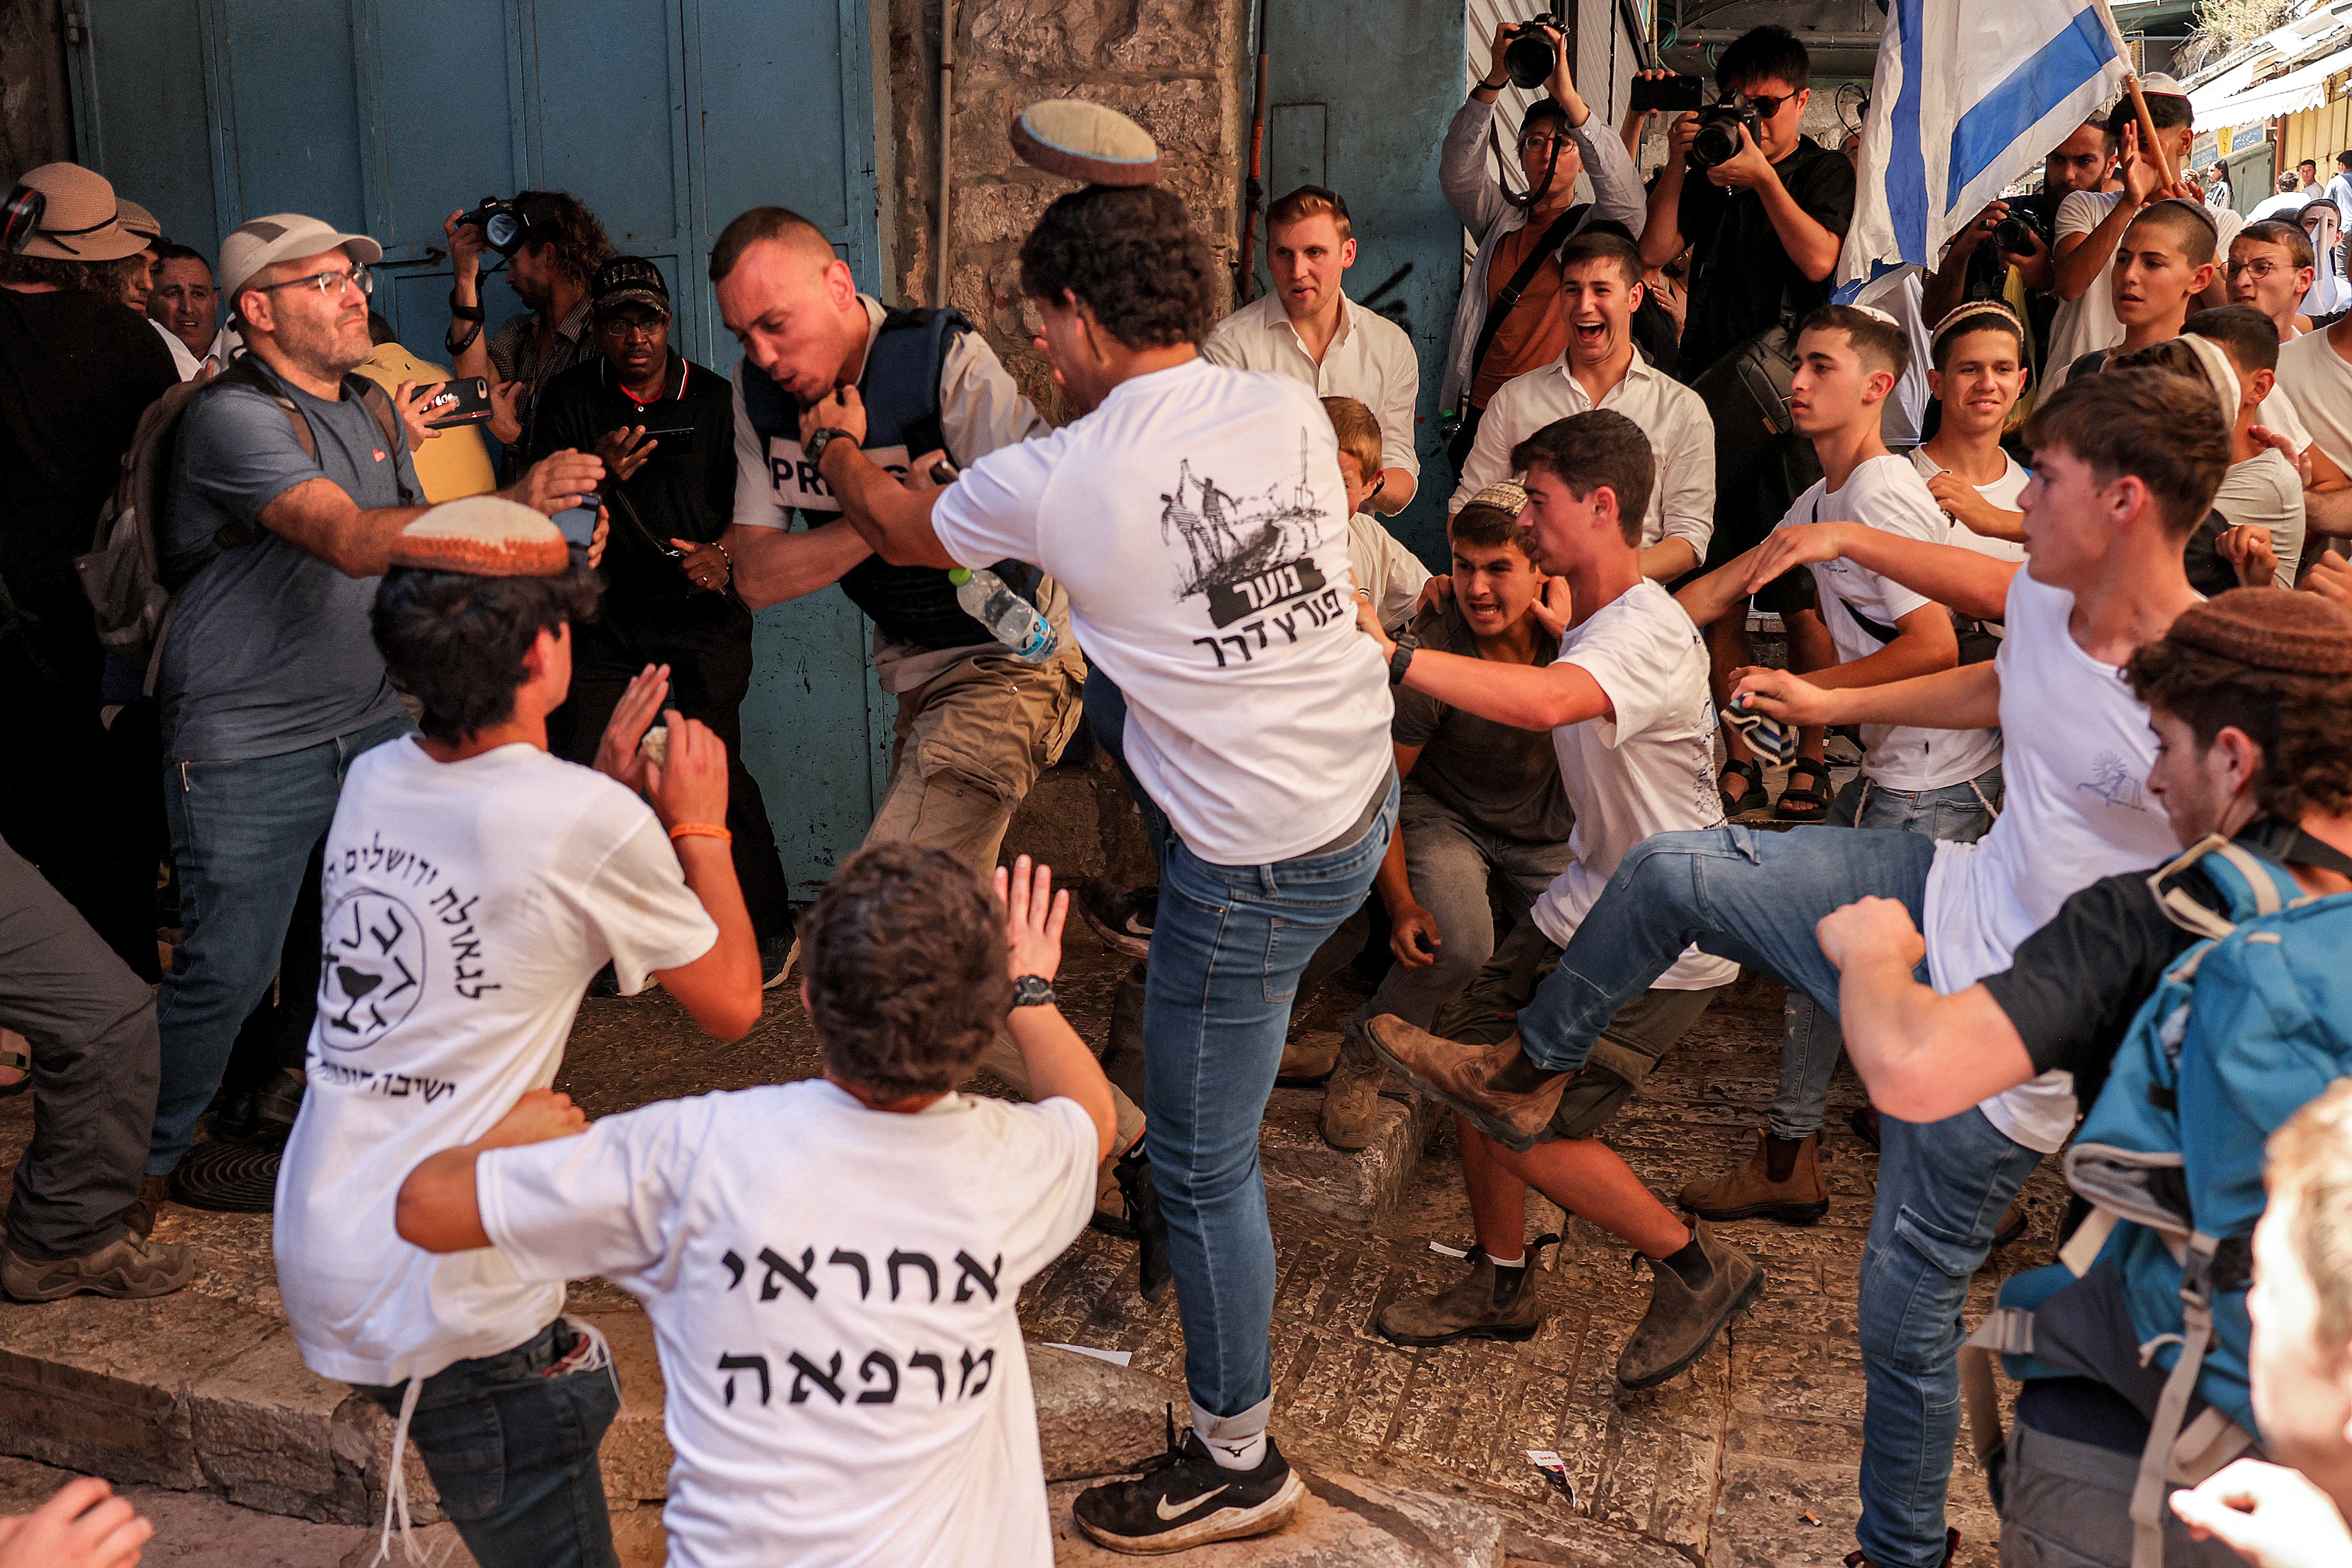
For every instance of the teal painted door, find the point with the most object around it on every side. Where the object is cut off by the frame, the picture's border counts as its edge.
(1366, 121)
(666, 117)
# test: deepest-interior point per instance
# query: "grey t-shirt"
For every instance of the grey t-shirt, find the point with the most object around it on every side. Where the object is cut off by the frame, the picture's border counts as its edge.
(269, 649)
(1505, 780)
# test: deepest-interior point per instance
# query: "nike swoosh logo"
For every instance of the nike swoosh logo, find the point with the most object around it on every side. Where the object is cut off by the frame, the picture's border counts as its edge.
(1165, 1512)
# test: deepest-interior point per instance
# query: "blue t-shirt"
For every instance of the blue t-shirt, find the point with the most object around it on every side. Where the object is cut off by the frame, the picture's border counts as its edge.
(269, 649)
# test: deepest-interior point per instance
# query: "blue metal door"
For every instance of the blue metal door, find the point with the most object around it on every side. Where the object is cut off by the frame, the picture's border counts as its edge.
(667, 117)
(1359, 101)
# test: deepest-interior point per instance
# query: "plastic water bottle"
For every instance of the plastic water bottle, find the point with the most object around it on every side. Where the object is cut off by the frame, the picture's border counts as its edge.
(1013, 619)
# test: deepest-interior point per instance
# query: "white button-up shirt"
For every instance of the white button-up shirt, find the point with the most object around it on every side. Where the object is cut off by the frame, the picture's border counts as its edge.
(1682, 442)
(1369, 359)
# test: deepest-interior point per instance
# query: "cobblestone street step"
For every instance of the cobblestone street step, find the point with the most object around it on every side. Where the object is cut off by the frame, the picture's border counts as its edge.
(1359, 1190)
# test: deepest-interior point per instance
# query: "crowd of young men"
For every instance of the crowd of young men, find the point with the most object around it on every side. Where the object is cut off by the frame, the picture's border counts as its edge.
(372, 699)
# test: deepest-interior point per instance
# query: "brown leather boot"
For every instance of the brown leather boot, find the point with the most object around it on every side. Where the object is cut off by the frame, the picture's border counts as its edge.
(1504, 1095)
(1487, 1303)
(155, 1192)
(1749, 1190)
(1310, 1058)
(1682, 1322)
(1351, 1098)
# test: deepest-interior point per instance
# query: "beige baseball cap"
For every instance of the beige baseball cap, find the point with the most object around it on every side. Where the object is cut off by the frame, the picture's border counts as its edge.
(138, 220)
(79, 221)
(283, 236)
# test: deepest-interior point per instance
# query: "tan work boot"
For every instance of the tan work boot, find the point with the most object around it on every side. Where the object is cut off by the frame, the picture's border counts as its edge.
(155, 1192)
(1749, 1190)
(1310, 1058)
(1505, 1096)
(1487, 1303)
(128, 1269)
(1351, 1098)
(1682, 1322)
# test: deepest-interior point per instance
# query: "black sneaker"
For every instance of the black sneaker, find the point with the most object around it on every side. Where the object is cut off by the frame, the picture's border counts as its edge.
(1154, 1273)
(1123, 920)
(1184, 1499)
(777, 953)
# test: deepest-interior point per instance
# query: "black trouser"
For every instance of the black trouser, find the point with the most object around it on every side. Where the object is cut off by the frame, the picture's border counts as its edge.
(95, 1059)
(709, 675)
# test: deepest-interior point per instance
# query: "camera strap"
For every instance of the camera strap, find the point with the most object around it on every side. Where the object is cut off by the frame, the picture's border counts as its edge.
(1552, 239)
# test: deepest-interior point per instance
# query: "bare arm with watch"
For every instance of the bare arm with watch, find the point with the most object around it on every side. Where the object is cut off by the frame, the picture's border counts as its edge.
(1525, 697)
(893, 518)
(1058, 1061)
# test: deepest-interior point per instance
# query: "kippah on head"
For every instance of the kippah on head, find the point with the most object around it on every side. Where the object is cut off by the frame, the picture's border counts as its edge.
(1506, 497)
(483, 536)
(1086, 141)
(2270, 628)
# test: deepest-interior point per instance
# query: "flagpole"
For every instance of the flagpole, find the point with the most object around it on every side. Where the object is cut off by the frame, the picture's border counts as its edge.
(2147, 137)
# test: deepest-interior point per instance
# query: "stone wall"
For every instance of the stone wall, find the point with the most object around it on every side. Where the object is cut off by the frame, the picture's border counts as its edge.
(35, 116)
(1176, 66)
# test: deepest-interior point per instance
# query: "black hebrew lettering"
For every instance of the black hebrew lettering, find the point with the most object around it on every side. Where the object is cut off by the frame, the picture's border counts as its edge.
(1229, 603)
(922, 1260)
(734, 1266)
(986, 1364)
(975, 1274)
(841, 1259)
(803, 1368)
(1240, 643)
(1211, 644)
(939, 1368)
(769, 1287)
(866, 1370)
(732, 1364)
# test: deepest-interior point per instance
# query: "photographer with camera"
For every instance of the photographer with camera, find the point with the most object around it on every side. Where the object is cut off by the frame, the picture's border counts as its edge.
(552, 245)
(664, 427)
(2090, 223)
(1508, 322)
(2016, 232)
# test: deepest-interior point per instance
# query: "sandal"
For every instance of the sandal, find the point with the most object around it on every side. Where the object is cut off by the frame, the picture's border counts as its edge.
(15, 1058)
(1748, 799)
(1808, 801)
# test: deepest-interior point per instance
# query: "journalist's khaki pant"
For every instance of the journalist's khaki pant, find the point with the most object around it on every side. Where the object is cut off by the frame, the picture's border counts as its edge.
(971, 741)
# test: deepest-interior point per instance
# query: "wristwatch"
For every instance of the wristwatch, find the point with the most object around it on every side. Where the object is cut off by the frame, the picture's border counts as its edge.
(819, 439)
(1401, 659)
(1031, 991)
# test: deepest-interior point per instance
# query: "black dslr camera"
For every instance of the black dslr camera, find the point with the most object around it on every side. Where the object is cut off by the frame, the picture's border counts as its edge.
(2022, 233)
(504, 225)
(1529, 56)
(1717, 141)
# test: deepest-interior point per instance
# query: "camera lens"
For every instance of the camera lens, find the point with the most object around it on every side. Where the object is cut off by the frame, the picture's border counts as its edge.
(2013, 234)
(502, 230)
(1715, 143)
(1530, 60)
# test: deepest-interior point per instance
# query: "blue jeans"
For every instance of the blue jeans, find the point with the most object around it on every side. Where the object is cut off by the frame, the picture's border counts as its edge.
(1809, 1041)
(1749, 896)
(1228, 946)
(511, 1449)
(1942, 1186)
(242, 834)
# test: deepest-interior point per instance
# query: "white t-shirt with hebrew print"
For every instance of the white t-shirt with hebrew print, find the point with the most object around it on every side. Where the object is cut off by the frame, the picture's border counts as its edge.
(1648, 769)
(1198, 523)
(2075, 807)
(832, 1291)
(465, 907)
(1886, 493)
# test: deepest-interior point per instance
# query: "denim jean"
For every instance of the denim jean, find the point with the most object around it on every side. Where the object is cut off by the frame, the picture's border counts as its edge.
(1739, 893)
(1942, 1186)
(242, 833)
(1809, 1041)
(512, 1449)
(1228, 947)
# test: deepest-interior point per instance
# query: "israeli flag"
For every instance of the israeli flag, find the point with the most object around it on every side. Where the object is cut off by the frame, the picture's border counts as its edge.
(1966, 97)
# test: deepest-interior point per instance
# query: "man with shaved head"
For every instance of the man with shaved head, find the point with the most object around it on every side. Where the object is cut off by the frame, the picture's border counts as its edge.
(976, 724)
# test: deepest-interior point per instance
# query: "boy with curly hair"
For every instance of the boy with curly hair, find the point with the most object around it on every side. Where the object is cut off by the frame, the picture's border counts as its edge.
(831, 1265)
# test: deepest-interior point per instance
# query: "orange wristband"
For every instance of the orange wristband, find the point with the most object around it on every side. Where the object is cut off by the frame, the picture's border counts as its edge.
(700, 830)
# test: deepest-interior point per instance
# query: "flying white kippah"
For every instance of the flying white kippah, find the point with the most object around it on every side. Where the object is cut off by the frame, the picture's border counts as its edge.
(1086, 141)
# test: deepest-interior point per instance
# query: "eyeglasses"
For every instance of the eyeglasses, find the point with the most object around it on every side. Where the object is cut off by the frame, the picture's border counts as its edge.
(331, 284)
(614, 327)
(1541, 142)
(1765, 104)
(2261, 269)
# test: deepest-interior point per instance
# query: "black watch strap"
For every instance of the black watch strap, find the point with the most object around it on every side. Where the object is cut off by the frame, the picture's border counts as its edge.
(1401, 660)
(465, 313)
(1031, 991)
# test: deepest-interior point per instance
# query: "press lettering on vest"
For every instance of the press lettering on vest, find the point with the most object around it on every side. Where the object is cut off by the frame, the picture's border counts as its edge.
(795, 482)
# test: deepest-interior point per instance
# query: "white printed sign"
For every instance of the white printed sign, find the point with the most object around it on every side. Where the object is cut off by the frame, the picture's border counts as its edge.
(796, 483)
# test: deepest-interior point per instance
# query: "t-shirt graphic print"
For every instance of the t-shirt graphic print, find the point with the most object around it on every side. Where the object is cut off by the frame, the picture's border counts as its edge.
(1197, 519)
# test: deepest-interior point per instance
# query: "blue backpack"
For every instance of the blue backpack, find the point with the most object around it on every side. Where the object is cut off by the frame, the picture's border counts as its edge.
(2244, 1029)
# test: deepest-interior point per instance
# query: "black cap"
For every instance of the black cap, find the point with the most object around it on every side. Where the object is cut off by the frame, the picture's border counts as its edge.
(630, 281)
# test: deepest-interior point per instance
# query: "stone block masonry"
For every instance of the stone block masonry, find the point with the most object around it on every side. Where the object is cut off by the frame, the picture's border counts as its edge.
(1179, 67)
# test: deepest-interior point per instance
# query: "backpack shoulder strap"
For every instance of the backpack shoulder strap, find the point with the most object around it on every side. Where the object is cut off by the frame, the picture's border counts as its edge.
(378, 402)
(1552, 239)
(245, 371)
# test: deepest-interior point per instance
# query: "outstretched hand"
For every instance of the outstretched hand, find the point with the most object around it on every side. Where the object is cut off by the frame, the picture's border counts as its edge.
(690, 785)
(617, 755)
(83, 1525)
(1780, 695)
(1034, 917)
(1798, 545)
